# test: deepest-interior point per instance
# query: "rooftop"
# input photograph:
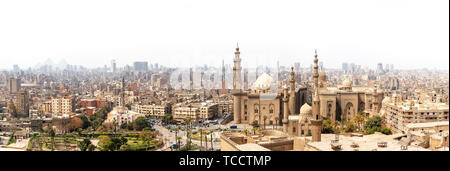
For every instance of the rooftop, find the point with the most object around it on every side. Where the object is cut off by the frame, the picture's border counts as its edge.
(365, 143)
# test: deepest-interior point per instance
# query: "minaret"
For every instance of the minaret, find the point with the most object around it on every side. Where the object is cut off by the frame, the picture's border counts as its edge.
(191, 79)
(316, 121)
(223, 77)
(285, 109)
(316, 72)
(237, 92)
(292, 92)
(237, 69)
(122, 93)
(245, 79)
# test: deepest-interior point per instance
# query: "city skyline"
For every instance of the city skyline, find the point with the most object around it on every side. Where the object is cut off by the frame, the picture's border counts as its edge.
(408, 34)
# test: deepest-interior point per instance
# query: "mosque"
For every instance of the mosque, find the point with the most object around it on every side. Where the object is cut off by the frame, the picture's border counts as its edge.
(287, 106)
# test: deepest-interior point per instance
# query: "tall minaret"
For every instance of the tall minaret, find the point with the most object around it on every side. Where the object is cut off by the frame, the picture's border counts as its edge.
(237, 69)
(285, 109)
(316, 71)
(122, 93)
(237, 91)
(316, 121)
(223, 77)
(292, 92)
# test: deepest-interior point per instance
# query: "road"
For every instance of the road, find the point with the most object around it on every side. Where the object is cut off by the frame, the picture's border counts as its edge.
(169, 137)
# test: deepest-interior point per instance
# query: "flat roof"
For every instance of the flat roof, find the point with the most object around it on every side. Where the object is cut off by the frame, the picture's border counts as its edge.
(427, 124)
(251, 147)
(365, 143)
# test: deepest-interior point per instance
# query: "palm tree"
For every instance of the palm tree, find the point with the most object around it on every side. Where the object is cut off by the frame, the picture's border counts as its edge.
(276, 122)
(246, 132)
(206, 142)
(188, 121)
(265, 118)
(201, 137)
(178, 142)
(212, 147)
(115, 125)
(254, 130)
(52, 135)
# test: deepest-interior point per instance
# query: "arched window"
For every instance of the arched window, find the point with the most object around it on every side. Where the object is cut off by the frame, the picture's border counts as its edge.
(271, 107)
(329, 109)
(256, 107)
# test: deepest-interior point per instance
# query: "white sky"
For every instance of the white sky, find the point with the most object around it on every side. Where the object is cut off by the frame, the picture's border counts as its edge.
(407, 33)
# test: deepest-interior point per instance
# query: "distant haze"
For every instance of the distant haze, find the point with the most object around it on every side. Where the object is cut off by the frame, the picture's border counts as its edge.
(407, 33)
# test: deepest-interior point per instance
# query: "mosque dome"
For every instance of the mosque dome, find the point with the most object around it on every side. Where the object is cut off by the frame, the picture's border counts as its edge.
(347, 83)
(306, 110)
(263, 82)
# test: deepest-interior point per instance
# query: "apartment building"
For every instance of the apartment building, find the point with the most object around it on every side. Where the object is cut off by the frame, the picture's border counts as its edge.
(398, 114)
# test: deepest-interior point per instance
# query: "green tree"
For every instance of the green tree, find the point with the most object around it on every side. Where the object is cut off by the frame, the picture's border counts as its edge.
(255, 129)
(85, 120)
(276, 121)
(349, 126)
(140, 123)
(201, 137)
(84, 145)
(128, 106)
(255, 124)
(91, 147)
(327, 126)
(373, 122)
(52, 135)
(386, 131)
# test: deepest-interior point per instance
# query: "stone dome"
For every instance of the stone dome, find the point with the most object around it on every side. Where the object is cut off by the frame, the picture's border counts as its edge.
(263, 82)
(305, 109)
(347, 83)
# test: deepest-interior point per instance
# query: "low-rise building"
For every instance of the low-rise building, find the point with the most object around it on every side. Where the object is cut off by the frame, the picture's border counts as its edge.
(208, 111)
(397, 114)
(122, 115)
(153, 110)
(180, 113)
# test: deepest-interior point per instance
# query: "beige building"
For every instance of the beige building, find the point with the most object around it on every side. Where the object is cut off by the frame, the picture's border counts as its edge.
(46, 107)
(22, 102)
(398, 113)
(208, 110)
(180, 113)
(122, 115)
(63, 105)
(263, 106)
(346, 101)
(261, 101)
(153, 110)
(13, 85)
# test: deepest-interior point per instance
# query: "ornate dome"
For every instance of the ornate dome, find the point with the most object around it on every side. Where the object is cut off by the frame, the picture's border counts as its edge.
(263, 82)
(347, 83)
(306, 110)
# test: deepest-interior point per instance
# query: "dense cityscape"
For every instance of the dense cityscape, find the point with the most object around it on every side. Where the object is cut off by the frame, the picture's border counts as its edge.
(144, 106)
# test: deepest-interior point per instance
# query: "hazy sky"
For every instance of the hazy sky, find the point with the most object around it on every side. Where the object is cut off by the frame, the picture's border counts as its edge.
(406, 33)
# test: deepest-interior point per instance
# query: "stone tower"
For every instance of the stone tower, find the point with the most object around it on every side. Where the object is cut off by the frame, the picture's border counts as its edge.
(285, 109)
(237, 69)
(237, 91)
(122, 93)
(316, 120)
(292, 92)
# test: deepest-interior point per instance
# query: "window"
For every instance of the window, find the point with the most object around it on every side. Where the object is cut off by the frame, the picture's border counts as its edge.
(293, 129)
